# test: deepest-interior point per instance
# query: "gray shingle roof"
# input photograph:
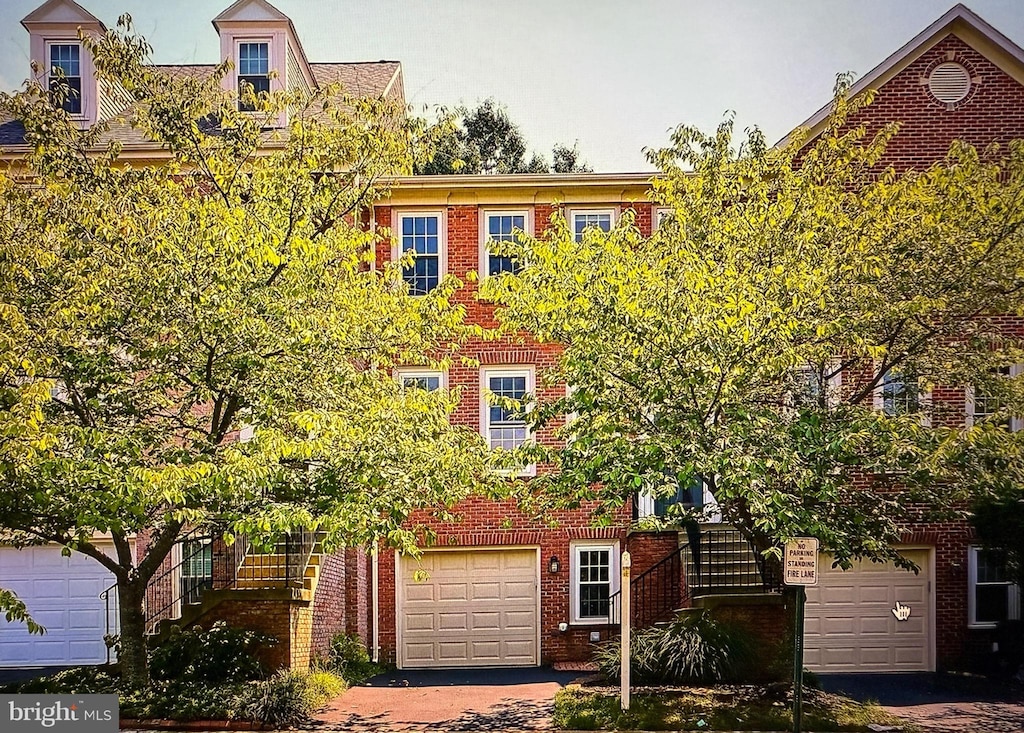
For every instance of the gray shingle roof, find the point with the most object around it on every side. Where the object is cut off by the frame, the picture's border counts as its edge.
(363, 79)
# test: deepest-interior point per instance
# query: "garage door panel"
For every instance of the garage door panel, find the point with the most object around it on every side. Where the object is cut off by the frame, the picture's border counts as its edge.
(521, 620)
(487, 620)
(415, 592)
(874, 625)
(452, 622)
(520, 590)
(850, 625)
(452, 591)
(843, 594)
(486, 591)
(491, 622)
(874, 594)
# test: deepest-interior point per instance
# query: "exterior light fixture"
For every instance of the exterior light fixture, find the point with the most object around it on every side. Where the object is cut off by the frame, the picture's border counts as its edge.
(553, 565)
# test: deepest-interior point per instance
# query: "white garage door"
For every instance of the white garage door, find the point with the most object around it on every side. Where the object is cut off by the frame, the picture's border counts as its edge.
(871, 618)
(469, 608)
(62, 594)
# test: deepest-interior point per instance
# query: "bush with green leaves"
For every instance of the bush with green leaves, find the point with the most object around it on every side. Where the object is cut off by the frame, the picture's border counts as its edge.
(289, 698)
(693, 649)
(218, 654)
(350, 659)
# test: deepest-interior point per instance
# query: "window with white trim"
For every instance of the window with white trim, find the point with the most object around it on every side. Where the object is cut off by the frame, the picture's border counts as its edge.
(595, 578)
(421, 234)
(982, 406)
(425, 379)
(504, 426)
(583, 219)
(253, 69)
(899, 393)
(661, 215)
(500, 226)
(806, 382)
(65, 72)
(992, 597)
(687, 496)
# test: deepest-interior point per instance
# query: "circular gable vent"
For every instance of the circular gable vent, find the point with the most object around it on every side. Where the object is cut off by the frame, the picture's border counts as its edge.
(949, 82)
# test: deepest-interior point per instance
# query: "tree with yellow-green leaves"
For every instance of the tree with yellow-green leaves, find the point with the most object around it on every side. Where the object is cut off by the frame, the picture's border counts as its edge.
(151, 313)
(749, 342)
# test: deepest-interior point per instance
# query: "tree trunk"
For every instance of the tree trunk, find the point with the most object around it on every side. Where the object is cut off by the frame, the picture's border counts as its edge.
(132, 654)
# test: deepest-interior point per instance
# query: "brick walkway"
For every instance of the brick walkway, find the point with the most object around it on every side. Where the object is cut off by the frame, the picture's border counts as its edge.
(482, 700)
(964, 717)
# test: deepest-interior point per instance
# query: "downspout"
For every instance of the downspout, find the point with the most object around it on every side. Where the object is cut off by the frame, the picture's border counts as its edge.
(374, 597)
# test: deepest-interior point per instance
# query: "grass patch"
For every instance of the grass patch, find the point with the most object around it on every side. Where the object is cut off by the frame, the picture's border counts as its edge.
(722, 708)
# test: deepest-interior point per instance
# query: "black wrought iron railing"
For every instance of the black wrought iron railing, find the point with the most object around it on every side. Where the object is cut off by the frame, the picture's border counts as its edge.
(718, 560)
(203, 560)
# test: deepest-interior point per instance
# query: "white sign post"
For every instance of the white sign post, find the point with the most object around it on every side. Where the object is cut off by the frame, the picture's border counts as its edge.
(800, 569)
(624, 628)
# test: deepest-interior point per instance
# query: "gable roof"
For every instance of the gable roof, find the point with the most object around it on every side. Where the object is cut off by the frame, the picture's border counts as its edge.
(61, 11)
(960, 21)
(250, 10)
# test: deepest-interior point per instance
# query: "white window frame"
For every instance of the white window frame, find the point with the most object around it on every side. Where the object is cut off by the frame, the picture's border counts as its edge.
(403, 373)
(486, 373)
(612, 211)
(924, 399)
(1012, 593)
(442, 238)
(1016, 422)
(656, 216)
(237, 71)
(575, 547)
(83, 101)
(832, 387)
(528, 228)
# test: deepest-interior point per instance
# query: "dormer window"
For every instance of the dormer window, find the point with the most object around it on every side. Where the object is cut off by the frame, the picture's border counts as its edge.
(65, 71)
(253, 69)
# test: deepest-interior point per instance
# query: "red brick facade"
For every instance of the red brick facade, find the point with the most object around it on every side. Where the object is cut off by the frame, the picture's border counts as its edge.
(993, 111)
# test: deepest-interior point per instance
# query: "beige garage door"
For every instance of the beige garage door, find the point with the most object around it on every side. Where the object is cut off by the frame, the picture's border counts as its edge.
(474, 608)
(850, 623)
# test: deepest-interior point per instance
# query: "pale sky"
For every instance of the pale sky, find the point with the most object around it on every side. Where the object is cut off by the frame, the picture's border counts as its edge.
(614, 75)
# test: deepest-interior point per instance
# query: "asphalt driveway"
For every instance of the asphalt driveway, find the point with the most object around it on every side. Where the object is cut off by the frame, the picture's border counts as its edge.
(937, 702)
(451, 700)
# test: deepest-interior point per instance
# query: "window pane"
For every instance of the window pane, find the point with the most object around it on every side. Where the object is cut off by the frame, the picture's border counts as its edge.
(422, 381)
(899, 394)
(253, 58)
(991, 603)
(991, 567)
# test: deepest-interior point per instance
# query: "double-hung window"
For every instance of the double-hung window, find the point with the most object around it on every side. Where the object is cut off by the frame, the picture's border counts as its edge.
(991, 596)
(982, 405)
(505, 425)
(583, 219)
(500, 226)
(66, 70)
(421, 234)
(899, 394)
(595, 578)
(253, 69)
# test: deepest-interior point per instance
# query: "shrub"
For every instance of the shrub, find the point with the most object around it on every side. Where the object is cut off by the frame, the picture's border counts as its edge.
(288, 698)
(218, 654)
(349, 658)
(693, 649)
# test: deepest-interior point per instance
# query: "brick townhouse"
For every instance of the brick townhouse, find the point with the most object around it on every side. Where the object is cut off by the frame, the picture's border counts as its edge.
(500, 587)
